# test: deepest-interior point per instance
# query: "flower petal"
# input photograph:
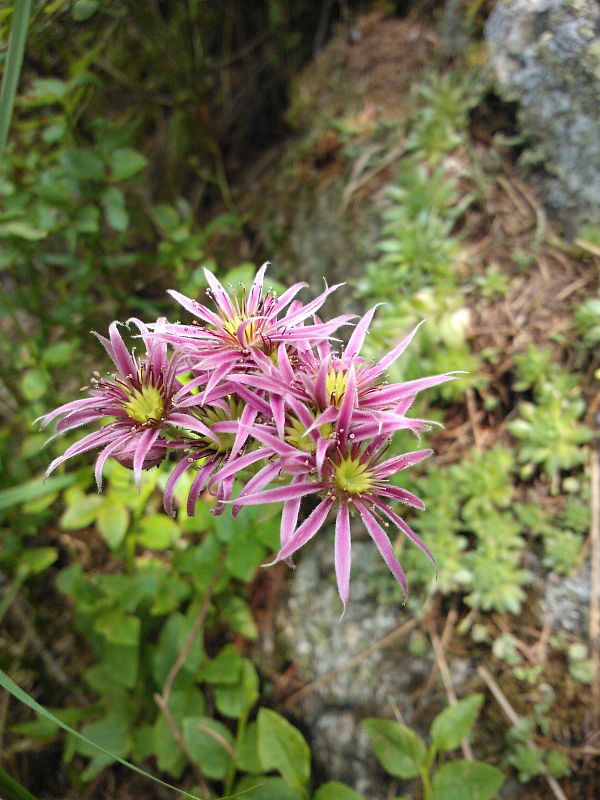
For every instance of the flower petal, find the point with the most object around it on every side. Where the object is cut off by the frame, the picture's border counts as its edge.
(342, 553)
(384, 545)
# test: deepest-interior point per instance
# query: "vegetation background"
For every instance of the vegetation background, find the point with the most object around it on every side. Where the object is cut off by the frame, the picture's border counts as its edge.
(362, 140)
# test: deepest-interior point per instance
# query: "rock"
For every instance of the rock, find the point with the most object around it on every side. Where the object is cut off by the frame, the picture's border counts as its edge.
(546, 57)
(315, 638)
(567, 601)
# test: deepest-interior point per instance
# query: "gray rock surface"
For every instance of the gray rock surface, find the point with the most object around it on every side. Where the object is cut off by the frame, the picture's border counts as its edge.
(313, 636)
(546, 57)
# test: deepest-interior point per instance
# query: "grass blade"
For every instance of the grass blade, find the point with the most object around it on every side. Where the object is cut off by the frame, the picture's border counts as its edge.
(14, 60)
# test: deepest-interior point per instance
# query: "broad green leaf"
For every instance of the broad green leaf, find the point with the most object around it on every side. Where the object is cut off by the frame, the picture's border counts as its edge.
(451, 725)
(282, 747)
(157, 531)
(247, 758)
(213, 752)
(236, 612)
(172, 638)
(236, 700)
(83, 164)
(119, 665)
(81, 510)
(34, 561)
(115, 210)
(399, 750)
(22, 230)
(466, 780)
(110, 732)
(84, 9)
(34, 384)
(333, 790)
(118, 628)
(252, 787)
(33, 490)
(182, 703)
(10, 686)
(125, 162)
(244, 555)
(112, 522)
(225, 668)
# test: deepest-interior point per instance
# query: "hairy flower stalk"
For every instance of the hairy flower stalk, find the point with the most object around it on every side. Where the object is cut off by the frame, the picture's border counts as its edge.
(252, 393)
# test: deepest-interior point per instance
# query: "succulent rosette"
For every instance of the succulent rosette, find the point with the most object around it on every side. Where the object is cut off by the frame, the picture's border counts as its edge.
(255, 392)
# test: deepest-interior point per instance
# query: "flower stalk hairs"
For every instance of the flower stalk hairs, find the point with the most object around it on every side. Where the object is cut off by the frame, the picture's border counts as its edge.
(255, 393)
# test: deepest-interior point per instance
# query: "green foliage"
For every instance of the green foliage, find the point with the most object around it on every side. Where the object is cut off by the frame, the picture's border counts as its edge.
(404, 754)
(550, 435)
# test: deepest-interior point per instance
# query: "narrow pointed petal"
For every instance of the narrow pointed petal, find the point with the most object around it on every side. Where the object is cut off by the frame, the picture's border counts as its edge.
(407, 531)
(404, 496)
(389, 395)
(306, 531)
(68, 408)
(281, 494)
(193, 424)
(220, 295)
(198, 484)
(239, 463)
(309, 309)
(286, 298)
(386, 362)
(247, 417)
(195, 308)
(120, 354)
(289, 519)
(358, 335)
(104, 455)
(349, 402)
(220, 373)
(89, 442)
(285, 367)
(398, 463)
(146, 441)
(256, 289)
(263, 477)
(384, 545)
(342, 553)
(185, 463)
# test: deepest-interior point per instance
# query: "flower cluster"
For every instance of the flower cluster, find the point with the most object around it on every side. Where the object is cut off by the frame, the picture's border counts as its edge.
(251, 393)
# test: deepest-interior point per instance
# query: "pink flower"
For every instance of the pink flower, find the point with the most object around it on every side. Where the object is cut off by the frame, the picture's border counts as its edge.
(354, 479)
(136, 402)
(240, 327)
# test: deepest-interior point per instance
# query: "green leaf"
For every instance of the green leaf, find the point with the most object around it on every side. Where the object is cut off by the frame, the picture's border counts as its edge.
(333, 790)
(247, 758)
(125, 162)
(110, 732)
(22, 230)
(33, 490)
(118, 628)
(81, 511)
(34, 384)
(182, 703)
(235, 701)
(236, 612)
(83, 164)
(451, 726)
(282, 747)
(84, 9)
(466, 780)
(244, 556)
(225, 668)
(112, 522)
(211, 753)
(11, 790)
(172, 638)
(34, 561)
(157, 531)
(16, 691)
(252, 787)
(114, 209)
(400, 751)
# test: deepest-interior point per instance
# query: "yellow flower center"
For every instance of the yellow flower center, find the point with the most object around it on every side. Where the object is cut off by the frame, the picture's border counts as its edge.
(231, 325)
(294, 435)
(336, 384)
(352, 476)
(211, 415)
(145, 405)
